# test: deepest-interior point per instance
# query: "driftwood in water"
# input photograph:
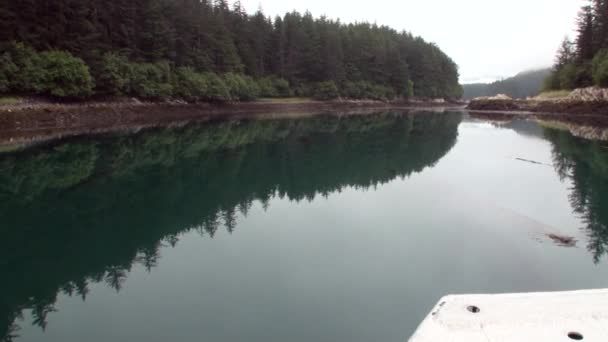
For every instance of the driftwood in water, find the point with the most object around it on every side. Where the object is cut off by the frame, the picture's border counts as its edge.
(564, 241)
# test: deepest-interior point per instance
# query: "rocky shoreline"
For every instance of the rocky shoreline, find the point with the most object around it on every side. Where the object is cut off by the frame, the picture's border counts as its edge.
(534, 106)
(586, 101)
(584, 111)
(39, 122)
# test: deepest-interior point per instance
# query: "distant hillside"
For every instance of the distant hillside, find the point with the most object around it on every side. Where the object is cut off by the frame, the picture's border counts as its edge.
(522, 85)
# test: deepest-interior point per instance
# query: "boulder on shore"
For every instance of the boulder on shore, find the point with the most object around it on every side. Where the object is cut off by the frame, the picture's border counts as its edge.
(499, 102)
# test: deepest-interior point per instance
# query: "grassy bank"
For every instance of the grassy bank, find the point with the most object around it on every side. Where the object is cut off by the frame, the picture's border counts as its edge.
(555, 94)
(10, 100)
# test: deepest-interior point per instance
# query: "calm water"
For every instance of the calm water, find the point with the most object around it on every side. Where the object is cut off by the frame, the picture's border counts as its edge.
(326, 228)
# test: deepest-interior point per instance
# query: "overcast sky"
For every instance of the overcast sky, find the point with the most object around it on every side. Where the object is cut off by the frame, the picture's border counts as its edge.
(488, 39)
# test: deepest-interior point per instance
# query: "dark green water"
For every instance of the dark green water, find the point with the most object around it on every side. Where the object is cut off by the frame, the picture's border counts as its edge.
(325, 228)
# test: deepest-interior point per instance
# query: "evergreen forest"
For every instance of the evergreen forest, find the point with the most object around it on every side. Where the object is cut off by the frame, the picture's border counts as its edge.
(198, 50)
(583, 62)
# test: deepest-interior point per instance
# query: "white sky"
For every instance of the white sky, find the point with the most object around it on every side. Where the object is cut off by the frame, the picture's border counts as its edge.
(488, 39)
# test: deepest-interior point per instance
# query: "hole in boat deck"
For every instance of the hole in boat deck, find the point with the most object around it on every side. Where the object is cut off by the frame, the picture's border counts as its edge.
(575, 336)
(473, 309)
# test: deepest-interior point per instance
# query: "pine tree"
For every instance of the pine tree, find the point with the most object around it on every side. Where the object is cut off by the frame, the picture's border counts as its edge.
(121, 25)
(600, 11)
(308, 65)
(185, 16)
(261, 32)
(8, 20)
(156, 37)
(28, 26)
(200, 51)
(399, 77)
(332, 55)
(238, 22)
(566, 54)
(82, 30)
(278, 46)
(584, 41)
(223, 49)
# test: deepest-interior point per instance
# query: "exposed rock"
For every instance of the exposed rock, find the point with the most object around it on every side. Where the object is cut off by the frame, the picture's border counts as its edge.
(493, 103)
(580, 101)
(589, 94)
(499, 97)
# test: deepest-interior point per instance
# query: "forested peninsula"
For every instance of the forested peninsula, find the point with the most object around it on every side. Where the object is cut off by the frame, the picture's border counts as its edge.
(203, 51)
(578, 81)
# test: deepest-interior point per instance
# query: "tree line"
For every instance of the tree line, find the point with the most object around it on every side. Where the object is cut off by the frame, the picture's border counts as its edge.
(584, 61)
(211, 51)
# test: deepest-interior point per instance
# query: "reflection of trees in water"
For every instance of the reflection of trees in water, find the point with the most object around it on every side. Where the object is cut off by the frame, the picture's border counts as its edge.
(86, 211)
(585, 163)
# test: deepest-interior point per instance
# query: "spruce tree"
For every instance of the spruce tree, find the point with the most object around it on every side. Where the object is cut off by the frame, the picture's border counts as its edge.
(584, 41)
(122, 28)
(82, 29)
(278, 44)
(28, 26)
(8, 20)
(224, 52)
(156, 37)
(566, 54)
(600, 11)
